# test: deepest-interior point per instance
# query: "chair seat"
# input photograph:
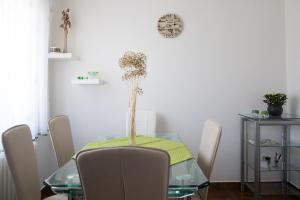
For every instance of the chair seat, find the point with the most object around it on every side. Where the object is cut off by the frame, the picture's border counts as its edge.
(57, 197)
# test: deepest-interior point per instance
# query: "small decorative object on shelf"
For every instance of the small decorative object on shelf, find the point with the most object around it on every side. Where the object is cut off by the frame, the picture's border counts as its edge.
(265, 142)
(90, 79)
(54, 50)
(275, 102)
(66, 25)
(265, 163)
(82, 78)
(276, 160)
(93, 74)
(255, 113)
(264, 113)
(134, 65)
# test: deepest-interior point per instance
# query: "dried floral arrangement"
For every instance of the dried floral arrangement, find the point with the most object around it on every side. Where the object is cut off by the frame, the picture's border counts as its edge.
(134, 66)
(66, 25)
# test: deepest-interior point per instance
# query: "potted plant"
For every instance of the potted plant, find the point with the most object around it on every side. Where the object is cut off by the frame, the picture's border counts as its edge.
(275, 102)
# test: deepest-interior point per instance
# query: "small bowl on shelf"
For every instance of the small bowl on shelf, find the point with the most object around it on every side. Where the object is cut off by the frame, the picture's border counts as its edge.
(93, 74)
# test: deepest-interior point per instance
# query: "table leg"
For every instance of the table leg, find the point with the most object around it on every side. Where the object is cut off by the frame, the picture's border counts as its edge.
(70, 196)
(75, 195)
(285, 137)
(257, 187)
(242, 155)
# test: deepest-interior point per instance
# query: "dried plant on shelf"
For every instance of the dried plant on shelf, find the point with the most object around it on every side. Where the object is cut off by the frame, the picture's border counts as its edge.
(66, 25)
(134, 65)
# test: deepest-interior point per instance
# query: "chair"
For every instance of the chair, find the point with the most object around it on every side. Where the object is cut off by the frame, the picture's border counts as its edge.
(61, 137)
(209, 144)
(145, 123)
(131, 173)
(21, 159)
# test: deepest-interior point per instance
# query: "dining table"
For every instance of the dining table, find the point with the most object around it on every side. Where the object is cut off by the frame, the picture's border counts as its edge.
(185, 177)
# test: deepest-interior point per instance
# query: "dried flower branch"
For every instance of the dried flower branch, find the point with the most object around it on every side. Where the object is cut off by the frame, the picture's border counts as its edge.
(66, 25)
(134, 65)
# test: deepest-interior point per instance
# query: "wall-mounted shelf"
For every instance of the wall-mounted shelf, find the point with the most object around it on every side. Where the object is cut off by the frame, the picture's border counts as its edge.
(59, 56)
(85, 82)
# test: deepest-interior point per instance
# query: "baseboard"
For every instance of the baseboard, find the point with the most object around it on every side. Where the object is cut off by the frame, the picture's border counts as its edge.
(237, 184)
(225, 186)
(225, 182)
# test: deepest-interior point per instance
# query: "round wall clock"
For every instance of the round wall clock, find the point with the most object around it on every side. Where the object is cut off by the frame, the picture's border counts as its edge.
(170, 25)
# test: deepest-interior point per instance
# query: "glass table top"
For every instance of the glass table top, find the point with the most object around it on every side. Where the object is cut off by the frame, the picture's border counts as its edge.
(185, 178)
(259, 117)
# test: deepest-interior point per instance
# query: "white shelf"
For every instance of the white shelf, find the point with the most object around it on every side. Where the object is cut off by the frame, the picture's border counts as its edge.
(85, 82)
(59, 56)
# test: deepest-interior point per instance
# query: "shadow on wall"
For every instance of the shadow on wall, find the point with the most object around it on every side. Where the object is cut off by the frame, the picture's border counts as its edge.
(294, 152)
(161, 124)
(294, 105)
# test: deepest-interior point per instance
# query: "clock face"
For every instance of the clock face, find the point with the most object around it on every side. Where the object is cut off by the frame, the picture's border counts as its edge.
(170, 25)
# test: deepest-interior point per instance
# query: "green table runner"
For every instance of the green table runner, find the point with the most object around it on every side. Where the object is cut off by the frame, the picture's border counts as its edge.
(177, 151)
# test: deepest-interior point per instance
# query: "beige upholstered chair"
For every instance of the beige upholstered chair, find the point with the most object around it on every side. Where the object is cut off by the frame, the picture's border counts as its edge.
(21, 159)
(61, 137)
(208, 150)
(132, 173)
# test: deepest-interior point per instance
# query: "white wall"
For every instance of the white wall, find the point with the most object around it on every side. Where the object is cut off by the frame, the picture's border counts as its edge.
(292, 8)
(293, 53)
(229, 54)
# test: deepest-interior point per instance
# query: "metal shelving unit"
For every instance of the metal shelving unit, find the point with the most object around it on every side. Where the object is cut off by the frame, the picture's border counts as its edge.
(252, 168)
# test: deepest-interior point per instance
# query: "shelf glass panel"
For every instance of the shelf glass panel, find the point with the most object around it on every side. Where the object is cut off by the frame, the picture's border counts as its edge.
(272, 168)
(284, 116)
(296, 145)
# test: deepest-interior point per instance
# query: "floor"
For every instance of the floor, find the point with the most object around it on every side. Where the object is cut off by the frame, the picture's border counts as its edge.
(231, 191)
(220, 191)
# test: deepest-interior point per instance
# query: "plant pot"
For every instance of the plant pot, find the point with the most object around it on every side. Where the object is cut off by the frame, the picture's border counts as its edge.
(275, 110)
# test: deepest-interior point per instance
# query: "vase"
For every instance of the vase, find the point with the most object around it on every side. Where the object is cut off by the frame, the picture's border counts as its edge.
(275, 110)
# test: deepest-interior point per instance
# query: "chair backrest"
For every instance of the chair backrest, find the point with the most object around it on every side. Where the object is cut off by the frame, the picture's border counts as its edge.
(21, 159)
(61, 137)
(121, 173)
(145, 122)
(209, 144)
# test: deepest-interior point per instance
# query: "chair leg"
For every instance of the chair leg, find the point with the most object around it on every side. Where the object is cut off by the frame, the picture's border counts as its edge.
(203, 193)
